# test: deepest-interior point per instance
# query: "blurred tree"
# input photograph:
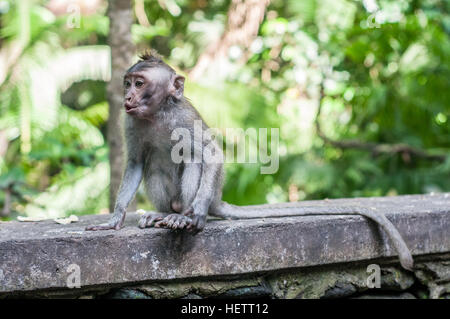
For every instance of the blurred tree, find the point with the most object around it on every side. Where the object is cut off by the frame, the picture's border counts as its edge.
(379, 127)
(243, 20)
(120, 15)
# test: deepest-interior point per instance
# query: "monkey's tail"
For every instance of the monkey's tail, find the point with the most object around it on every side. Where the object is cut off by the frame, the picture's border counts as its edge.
(228, 211)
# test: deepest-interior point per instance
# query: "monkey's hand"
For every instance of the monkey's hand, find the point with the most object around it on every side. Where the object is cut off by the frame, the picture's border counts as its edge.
(198, 221)
(115, 223)
(174, 221)
(150, 218)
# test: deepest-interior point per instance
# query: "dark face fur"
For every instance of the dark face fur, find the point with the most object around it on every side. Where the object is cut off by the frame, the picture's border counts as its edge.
(146, 89)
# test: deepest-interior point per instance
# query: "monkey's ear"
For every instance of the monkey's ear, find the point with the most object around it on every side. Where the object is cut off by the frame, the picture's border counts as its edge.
(177, 86)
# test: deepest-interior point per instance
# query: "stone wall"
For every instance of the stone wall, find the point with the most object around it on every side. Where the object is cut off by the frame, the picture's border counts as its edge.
(295, 257)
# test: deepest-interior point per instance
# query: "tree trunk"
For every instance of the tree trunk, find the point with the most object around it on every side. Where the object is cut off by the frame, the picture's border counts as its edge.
(244, 19)
(122, 50)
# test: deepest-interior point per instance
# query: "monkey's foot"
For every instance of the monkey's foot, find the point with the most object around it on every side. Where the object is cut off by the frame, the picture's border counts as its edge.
(197, 224)
(174, 221)
(197, 221)
(149, 218)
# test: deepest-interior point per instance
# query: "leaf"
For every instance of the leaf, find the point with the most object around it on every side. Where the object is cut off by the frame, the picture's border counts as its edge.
(68, 220)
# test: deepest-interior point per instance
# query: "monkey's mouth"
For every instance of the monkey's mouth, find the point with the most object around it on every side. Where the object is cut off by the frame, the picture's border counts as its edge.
(129, 108)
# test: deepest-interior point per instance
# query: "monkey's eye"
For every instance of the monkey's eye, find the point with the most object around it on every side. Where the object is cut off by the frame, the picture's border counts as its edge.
(127, 84)
(139, 83)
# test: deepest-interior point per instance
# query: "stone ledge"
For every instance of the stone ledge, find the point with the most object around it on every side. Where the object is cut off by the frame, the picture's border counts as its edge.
(35, 256)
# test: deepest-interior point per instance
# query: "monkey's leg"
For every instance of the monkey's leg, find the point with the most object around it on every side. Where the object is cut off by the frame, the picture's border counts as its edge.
(161, 181)
(128, 187)
(198, 210)
(160, 186)
(174, 221)
(190, 181)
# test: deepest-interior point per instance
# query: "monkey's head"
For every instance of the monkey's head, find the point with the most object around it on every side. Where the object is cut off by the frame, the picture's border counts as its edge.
(149, 84)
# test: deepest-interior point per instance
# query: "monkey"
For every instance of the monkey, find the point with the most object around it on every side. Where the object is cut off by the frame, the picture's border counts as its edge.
(185, 193)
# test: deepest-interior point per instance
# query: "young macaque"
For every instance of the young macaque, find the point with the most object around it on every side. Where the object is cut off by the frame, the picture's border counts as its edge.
(185, 192)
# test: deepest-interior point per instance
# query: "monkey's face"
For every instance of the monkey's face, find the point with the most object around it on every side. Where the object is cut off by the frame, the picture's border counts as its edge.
(146, 90)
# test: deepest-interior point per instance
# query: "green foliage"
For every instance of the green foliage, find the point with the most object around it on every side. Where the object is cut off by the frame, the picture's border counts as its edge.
(385, 69)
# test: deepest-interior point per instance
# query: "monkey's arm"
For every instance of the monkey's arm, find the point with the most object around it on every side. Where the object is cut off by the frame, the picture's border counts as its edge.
(128, 187)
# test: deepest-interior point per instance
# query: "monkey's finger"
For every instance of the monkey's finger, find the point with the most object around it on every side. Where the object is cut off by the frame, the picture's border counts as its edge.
(193, 225)
(166, 222)
(201, 224)
(198, 223)
(188, 212)
(176, 222)
(169, 222)
(153, 220)
(142, 222)
(160, 224)
(182, 222)
(146, 219)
